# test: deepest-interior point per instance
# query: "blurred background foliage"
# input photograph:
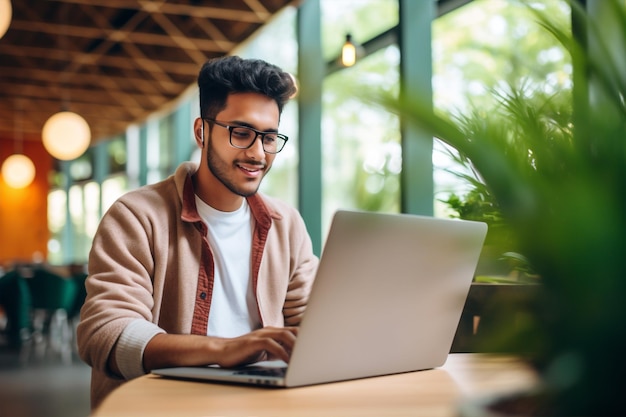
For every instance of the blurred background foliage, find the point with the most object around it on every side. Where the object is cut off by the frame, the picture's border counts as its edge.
(554, 162)
(482, 46)
(478, 49)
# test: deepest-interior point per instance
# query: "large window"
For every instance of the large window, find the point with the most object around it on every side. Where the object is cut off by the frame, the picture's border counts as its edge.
(479, 48)
(361, 153)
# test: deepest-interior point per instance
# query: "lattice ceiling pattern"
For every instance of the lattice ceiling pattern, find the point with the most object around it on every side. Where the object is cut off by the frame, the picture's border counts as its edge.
(113, 61)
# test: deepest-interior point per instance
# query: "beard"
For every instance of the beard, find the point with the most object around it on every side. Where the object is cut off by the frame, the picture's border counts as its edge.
(223, 171)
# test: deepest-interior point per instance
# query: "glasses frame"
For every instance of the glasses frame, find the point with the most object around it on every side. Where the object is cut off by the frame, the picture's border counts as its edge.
(257, 134)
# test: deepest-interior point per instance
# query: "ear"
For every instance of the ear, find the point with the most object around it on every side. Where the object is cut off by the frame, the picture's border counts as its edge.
(198, 132)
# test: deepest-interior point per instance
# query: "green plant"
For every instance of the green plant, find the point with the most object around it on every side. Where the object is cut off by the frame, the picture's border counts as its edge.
(498, 262)
(556, 165)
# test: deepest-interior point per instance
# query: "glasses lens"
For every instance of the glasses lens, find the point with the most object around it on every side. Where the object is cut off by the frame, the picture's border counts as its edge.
(271, 142)
(243, 137)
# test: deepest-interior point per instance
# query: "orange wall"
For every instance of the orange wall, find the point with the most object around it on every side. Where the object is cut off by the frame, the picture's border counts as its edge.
(23, 213)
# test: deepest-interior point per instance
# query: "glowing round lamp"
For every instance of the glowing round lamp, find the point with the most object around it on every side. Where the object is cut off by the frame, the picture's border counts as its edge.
(18, 171)
(6, 13)
(66, 135)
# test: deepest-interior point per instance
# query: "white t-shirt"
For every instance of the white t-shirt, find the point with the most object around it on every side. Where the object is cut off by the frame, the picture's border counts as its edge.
(234, 310)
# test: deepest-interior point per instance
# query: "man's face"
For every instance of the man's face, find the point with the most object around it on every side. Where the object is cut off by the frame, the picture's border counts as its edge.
(241, 170)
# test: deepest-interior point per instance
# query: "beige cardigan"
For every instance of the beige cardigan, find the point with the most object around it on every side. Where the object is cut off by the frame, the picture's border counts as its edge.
(151, 260)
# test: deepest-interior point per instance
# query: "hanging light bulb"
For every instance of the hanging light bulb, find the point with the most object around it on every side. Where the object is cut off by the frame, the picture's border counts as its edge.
(18, 171)
(6, 12)
(348, 52)
(66, 135)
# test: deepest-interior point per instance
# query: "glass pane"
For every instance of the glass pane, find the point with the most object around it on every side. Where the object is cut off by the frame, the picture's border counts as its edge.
(166, 145)
(362, 154)
(153, 151)
(487, 46)
(76, 206)
(81, 169)
(80, 242)
(116, 149)
(112, 189)
(490, 44)
(282, 181)
(92, 209)
(56, 177)
(57, 204)
(362, 19)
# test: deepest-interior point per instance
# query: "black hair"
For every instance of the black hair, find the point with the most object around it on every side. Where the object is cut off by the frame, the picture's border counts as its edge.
(222, 76)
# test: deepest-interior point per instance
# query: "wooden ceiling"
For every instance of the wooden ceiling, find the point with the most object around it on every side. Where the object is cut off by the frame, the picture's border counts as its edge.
(112, 61)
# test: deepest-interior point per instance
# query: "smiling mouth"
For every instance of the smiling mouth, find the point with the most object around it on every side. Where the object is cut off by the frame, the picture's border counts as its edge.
(252, 169)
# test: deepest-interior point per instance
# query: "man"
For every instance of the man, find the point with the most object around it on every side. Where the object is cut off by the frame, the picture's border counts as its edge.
(200, 268)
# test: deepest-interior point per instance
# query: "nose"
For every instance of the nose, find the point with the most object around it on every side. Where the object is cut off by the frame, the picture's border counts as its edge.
(256, 151)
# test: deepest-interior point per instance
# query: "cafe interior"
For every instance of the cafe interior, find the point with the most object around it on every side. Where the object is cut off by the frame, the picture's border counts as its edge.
(98, 97)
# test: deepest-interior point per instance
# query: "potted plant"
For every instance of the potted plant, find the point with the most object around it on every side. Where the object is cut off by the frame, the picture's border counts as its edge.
(557, 168)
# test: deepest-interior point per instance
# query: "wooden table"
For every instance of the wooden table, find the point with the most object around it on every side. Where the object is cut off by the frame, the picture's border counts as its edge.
(433, 393)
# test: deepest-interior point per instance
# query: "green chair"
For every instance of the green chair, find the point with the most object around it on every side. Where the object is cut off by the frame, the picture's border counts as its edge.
(16, 302)
(53, 298)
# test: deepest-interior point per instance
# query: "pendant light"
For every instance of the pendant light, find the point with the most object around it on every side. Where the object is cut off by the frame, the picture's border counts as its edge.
(348, 52)
(6, 12)
(66, 135)
(18, 171)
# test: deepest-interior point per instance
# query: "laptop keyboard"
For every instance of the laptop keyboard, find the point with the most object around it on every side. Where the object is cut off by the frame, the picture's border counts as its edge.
(271, 372)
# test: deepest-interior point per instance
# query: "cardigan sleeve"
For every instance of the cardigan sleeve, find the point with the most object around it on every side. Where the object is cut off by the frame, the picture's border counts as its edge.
(119, 285)
(131, 344)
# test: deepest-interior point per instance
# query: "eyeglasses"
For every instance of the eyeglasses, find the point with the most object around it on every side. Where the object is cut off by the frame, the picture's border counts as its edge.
(242, 137)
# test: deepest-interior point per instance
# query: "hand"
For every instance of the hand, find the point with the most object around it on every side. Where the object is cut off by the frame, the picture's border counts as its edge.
(167, 350)
(262, 344)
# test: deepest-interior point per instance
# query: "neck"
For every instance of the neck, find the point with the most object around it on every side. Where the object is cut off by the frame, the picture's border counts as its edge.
(219, 197)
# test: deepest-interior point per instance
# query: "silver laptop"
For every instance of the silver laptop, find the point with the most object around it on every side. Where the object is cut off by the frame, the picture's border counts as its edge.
(387, 298)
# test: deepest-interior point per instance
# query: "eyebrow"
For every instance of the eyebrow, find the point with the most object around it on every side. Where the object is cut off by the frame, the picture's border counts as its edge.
(246, 124)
